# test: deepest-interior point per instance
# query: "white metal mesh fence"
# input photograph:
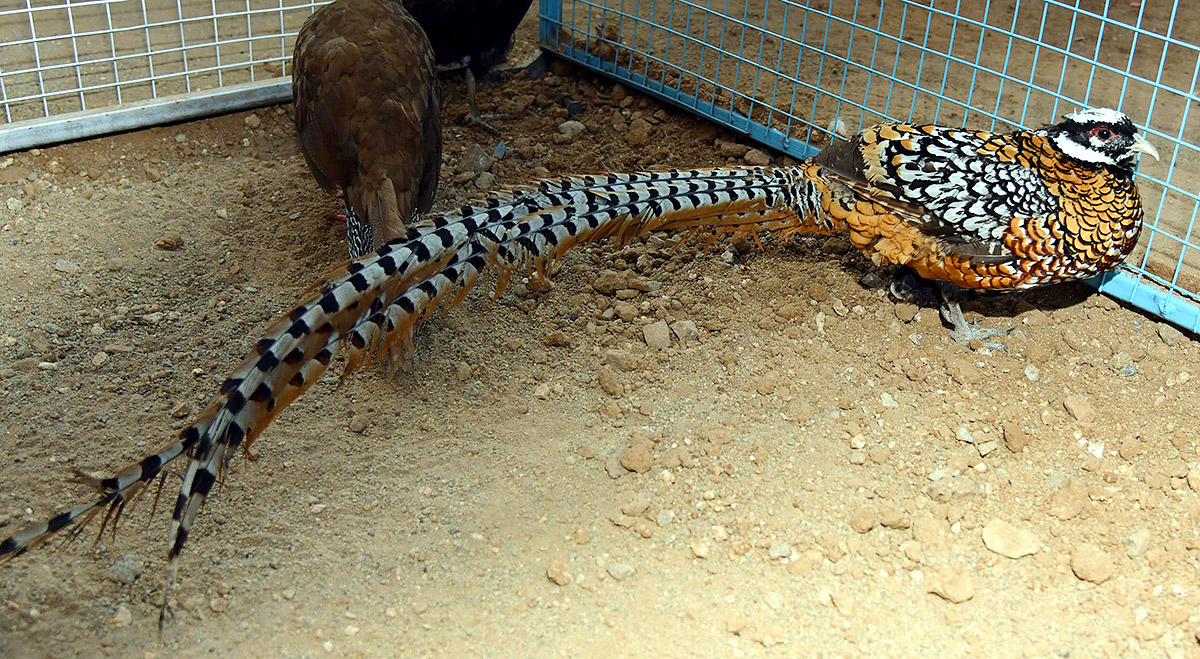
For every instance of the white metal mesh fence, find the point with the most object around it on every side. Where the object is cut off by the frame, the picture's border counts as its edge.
(61, 57)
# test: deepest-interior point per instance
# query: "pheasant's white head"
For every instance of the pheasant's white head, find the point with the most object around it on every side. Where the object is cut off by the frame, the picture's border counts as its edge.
(1101, 136)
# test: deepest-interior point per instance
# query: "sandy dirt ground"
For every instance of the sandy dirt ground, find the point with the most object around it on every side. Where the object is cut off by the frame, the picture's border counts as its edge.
(807, 468)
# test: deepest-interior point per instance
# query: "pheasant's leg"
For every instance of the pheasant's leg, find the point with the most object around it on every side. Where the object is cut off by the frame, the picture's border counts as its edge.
(474, 117)
(964, 331)
(908, 287)
(454, 66)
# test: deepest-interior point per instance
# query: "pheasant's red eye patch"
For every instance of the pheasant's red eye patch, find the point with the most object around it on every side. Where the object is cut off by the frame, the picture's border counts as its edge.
(1103, 132)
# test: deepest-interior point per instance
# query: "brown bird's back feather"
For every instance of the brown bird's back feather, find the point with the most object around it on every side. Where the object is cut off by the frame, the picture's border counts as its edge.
(368, 111)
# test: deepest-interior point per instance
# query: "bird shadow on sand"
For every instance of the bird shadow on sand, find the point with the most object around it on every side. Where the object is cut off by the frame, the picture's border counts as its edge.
(924, 294)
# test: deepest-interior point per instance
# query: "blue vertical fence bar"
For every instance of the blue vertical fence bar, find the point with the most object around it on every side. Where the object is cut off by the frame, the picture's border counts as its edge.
(796, 74)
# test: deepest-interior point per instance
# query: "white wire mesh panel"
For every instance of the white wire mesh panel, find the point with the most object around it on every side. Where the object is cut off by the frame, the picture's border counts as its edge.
(792, 73)
(61, 57)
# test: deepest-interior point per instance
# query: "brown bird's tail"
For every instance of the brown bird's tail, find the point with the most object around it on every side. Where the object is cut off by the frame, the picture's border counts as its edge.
(373, 200)
(375, 301)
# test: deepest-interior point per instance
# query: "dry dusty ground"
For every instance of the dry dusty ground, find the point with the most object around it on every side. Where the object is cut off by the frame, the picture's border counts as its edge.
(816, 471)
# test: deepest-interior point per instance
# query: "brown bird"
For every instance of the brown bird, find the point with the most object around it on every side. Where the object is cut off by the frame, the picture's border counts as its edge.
(973, 209)
(368, 112)
(472, 33)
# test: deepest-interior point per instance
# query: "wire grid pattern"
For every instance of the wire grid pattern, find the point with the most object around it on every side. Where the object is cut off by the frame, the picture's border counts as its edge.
(58, 57)
(796, 74)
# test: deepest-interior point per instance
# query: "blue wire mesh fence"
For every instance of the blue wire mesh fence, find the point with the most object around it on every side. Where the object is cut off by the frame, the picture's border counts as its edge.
(796, 74)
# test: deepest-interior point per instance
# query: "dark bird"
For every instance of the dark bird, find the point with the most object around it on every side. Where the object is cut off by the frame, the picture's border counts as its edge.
(368, 111)
(472, 33)
(973, 209)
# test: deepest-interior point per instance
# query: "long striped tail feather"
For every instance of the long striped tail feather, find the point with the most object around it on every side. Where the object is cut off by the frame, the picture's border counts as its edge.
(374, 303)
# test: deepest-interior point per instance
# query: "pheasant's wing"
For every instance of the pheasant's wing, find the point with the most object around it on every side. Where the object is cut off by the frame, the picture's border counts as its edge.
(955, 186)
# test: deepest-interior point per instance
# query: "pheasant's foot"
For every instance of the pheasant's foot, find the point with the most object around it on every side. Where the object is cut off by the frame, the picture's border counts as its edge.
(965, 332)
(481, 120)
(164, 612)
(474, 117)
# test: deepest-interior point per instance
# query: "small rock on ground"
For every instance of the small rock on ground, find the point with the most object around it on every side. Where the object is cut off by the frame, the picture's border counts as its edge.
(127, 570)
(1137, 543)
(1008, 540)
(657, 335)
(558, 573)
(953, 586)
(620, 571)
(637, 458)
(1091, 563)
(779, 549)
(1169, 334)
(1078, 407)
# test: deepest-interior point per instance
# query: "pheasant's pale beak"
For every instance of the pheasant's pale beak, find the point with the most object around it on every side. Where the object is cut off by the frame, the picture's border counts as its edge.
(1140, 144)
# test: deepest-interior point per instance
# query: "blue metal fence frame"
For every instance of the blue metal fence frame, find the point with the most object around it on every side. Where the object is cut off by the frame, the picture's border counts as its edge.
(1132, 283)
